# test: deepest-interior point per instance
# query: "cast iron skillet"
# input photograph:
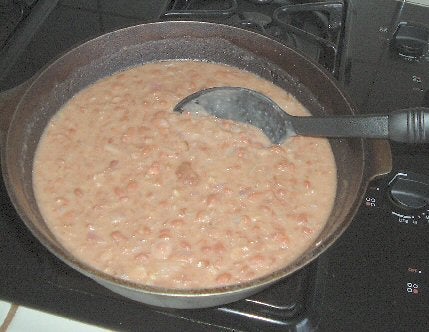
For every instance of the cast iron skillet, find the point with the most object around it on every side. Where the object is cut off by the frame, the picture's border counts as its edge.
(28, 108)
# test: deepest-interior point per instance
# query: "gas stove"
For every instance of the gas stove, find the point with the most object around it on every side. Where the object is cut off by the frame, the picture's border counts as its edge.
(375, 277)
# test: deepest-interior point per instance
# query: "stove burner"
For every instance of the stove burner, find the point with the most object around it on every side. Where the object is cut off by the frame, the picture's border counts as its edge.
(11, 14)
(261, 1)
(190, 8)
(19, 21)
(327, 15)
(313, 28)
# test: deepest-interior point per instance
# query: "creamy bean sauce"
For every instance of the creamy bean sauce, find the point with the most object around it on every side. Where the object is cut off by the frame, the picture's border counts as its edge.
(177, 200)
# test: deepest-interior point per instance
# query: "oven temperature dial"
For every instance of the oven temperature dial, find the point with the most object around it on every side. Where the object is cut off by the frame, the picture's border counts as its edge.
(410, 193)
(410, 190)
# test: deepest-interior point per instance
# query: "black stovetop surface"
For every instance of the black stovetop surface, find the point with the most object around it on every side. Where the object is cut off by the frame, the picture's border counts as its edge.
(375, 277)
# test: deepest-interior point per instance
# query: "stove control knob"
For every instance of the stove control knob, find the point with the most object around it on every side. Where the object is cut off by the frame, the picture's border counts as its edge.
(410, 40)
(410, 190)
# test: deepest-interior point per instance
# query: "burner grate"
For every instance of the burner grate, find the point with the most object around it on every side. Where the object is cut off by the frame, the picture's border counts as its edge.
(209, 9)
(11, 13)
(314, 28)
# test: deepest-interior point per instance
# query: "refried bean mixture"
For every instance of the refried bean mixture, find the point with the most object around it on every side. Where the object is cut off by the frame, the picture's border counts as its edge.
(177, 200)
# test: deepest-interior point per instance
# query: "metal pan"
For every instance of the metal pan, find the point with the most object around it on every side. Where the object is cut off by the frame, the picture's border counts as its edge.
(27, 109)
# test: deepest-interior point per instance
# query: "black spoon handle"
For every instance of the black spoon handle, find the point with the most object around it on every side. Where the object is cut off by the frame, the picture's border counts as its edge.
(407, 126)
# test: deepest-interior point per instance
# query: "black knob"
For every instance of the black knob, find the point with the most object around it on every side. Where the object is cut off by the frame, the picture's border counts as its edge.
(410, 40)
(410, 190)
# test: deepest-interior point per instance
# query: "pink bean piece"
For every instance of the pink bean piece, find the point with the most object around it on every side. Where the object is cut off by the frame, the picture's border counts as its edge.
(118, 236)
(186, 174)
(224, 278)
(161, 249)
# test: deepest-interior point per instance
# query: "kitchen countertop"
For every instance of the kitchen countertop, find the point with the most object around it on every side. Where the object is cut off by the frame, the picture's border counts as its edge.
(14, 318)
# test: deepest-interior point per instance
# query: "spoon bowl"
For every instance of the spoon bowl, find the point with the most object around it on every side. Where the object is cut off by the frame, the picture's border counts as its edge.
(242, 105)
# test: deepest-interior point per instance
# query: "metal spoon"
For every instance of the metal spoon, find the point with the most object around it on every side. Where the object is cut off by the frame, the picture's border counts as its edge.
(248, 106)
